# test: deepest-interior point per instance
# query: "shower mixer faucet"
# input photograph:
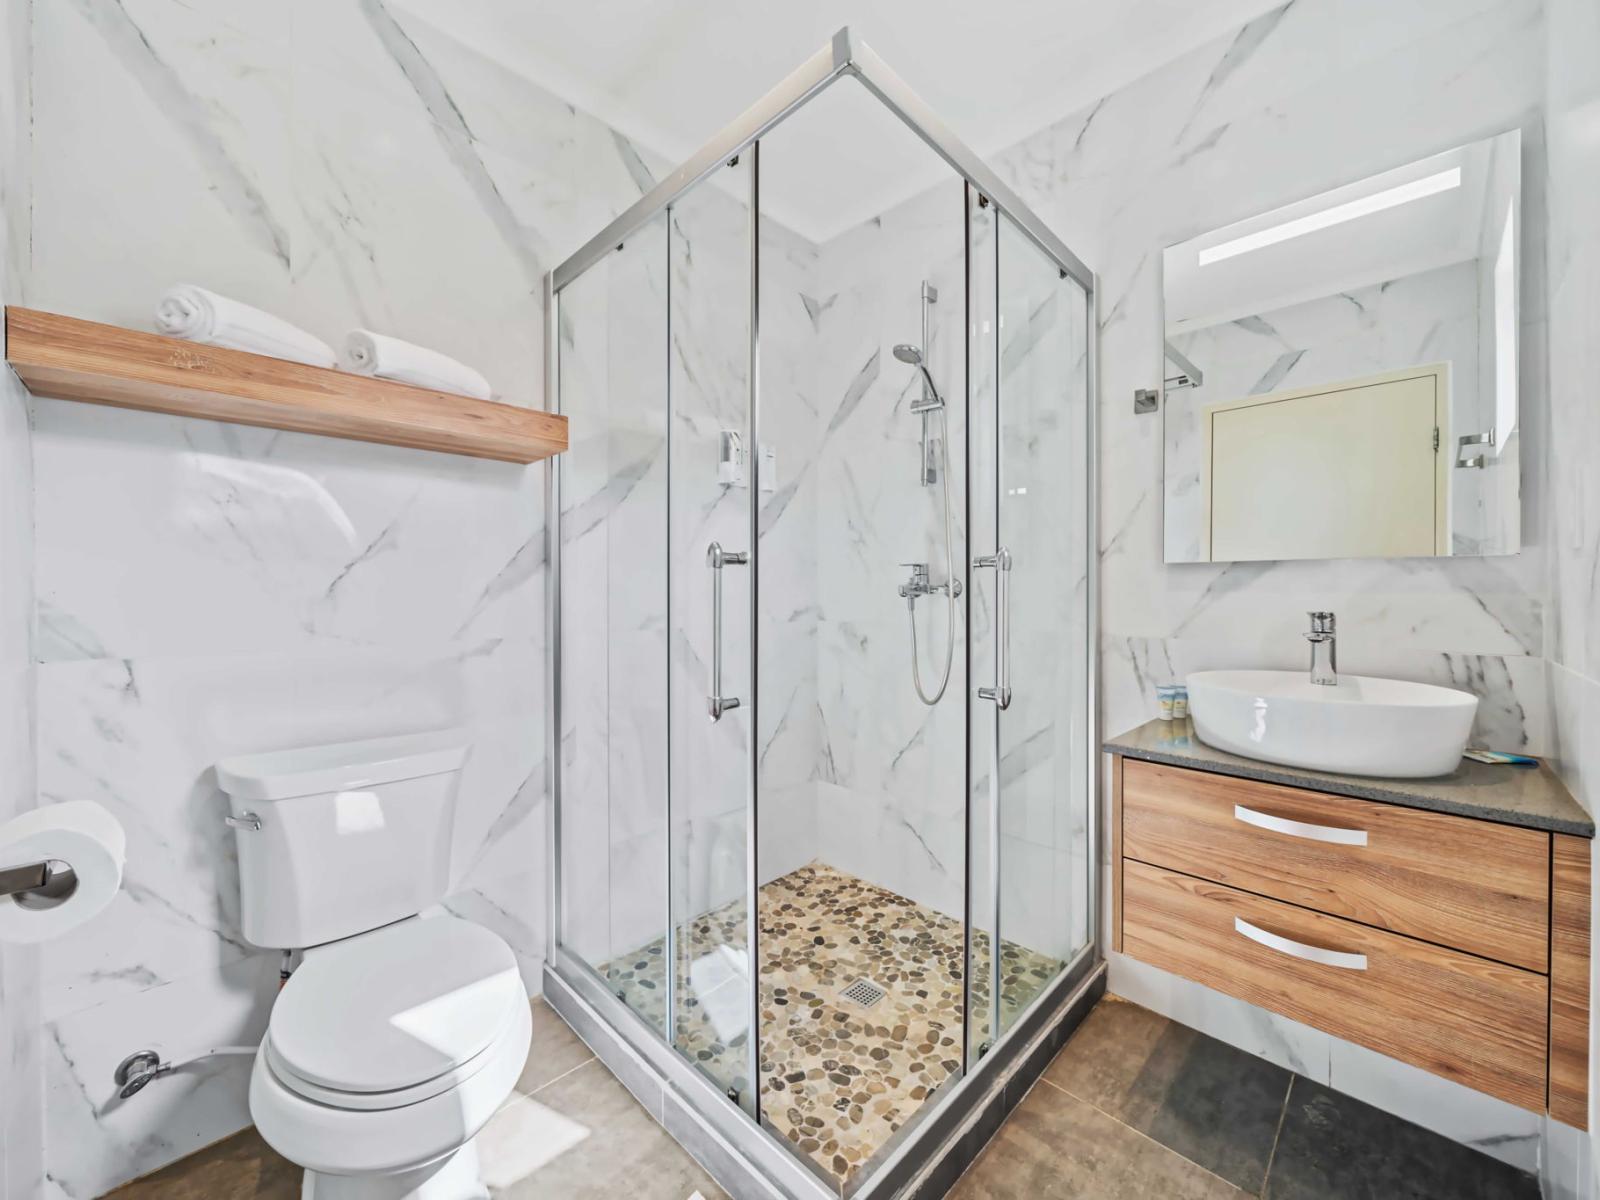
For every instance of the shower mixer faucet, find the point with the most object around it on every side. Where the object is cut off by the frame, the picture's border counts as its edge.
(921, 584)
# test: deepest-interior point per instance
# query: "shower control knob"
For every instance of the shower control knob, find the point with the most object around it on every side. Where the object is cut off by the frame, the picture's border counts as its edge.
(919, 584)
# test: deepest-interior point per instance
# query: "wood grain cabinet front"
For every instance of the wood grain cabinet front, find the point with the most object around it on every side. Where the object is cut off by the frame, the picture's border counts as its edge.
(1469, 884)
(1481, 1023)
(1454, 943)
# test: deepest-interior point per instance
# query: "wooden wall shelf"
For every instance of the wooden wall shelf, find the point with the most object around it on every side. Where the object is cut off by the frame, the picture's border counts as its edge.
(69, 359)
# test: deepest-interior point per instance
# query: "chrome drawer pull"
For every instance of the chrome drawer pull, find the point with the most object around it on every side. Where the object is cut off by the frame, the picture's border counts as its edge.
(1316, 954)
(1299, 829)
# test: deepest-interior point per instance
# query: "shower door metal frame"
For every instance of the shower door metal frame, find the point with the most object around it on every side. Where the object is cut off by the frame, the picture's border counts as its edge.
(641, 1046)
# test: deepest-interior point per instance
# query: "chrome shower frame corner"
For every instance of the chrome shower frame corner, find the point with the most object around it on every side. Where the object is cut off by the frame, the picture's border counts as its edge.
(649, 1065)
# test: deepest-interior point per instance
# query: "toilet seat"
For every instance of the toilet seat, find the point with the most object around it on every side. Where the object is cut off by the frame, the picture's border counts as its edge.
(390, 1050)
(394, 1016)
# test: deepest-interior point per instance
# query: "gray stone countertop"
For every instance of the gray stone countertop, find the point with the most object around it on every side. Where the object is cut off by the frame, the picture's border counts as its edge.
(1532, 797)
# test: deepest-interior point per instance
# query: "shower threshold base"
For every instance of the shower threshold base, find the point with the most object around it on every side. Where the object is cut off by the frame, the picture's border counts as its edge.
(751, 1162)
(840, 1079)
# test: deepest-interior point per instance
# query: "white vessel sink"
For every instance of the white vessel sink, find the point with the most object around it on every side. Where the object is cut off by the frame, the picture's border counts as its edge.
(1363, 726)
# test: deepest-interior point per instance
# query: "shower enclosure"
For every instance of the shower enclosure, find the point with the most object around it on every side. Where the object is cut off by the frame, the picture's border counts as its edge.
(822, 583)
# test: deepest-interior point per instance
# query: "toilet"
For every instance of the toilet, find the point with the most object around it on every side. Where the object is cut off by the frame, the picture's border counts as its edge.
(404, 1028)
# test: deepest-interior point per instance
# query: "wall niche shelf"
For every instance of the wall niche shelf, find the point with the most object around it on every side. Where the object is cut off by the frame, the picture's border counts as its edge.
(69, 359)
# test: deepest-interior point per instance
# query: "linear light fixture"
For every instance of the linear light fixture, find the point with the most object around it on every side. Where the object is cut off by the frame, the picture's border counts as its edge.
(1430, 185)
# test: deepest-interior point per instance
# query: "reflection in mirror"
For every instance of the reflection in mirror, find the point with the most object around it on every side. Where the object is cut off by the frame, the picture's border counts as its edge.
(1341, 373)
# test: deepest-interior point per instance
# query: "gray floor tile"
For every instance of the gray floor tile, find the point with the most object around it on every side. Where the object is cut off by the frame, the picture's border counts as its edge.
(554, 1050)
(584, 1137)
(1057, 1147)
(1213, 1103)
(1333, 1147)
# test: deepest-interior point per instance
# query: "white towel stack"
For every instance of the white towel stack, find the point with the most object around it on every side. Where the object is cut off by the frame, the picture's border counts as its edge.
(368, 353)
(193, 313)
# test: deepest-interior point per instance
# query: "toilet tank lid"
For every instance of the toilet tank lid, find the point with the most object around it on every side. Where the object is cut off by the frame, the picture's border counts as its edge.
(311, 770)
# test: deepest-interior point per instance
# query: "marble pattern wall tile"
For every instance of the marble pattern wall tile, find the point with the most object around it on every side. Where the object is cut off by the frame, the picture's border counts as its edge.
(1197, 173)
(208, 589)
(1572, 522)
(1307, 97)
(1137, 170)
(355, 165)
(21, 1057)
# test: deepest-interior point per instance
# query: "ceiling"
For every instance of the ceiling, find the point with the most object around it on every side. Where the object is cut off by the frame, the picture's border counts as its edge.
(669, 75)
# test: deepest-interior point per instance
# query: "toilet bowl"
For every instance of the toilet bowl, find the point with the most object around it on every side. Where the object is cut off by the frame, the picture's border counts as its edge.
(404, 1028)
(385, 1055)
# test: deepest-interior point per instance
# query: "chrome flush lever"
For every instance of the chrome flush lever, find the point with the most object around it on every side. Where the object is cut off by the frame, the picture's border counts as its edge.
(716, 559)
(1000, 693)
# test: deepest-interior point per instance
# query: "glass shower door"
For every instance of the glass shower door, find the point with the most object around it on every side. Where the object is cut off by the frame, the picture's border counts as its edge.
(1037, 568)
(612, 561)
(712, 572)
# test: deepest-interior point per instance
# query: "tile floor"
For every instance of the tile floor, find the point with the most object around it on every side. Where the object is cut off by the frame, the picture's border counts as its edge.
(838, 1080)
(571, 1130)
(1136, 1105)
(1133, 1107)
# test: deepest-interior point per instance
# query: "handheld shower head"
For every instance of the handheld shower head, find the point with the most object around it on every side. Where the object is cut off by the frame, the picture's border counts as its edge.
(911, 356)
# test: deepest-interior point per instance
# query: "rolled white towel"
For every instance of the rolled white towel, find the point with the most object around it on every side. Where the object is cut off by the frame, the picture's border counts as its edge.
(368, 353)
(193, 313)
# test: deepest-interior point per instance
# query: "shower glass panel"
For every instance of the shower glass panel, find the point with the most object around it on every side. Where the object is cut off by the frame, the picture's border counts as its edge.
(821, 592)
(982, 845)
(861, 660)
(710, 580)
(1040, 586)
(612, 686)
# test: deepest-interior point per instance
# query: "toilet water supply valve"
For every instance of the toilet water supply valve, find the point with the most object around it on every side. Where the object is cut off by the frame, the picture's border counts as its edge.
(143, 1066)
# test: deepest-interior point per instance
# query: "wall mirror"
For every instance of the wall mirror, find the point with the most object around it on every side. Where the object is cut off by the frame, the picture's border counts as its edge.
(1341, 373)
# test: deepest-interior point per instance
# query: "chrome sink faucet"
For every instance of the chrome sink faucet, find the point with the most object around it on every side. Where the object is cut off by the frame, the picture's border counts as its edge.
(1324, 643)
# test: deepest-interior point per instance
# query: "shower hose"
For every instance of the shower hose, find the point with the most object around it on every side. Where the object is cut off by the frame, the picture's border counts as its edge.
(949, 586)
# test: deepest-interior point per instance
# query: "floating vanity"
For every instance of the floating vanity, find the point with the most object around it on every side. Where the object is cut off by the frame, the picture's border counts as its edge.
(1443, 922)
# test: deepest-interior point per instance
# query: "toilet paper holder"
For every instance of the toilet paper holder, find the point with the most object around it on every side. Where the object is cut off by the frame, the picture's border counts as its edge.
(40, 884)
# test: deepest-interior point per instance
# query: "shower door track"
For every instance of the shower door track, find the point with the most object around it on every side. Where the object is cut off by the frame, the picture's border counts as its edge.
(753, 1163)
(949, 1131)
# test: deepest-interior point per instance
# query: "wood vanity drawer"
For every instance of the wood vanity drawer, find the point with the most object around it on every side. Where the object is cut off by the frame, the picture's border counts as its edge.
(1480, 1023)
(1469, 884)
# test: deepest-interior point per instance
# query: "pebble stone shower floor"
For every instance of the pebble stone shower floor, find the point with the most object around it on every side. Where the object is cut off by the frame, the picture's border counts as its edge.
(837, 1079)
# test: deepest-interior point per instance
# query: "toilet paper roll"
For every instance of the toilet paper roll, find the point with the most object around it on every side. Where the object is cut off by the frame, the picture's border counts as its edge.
(79, 833)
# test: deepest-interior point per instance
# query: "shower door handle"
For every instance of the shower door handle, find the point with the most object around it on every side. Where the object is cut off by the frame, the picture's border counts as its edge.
(716, 559)
(1000, 693)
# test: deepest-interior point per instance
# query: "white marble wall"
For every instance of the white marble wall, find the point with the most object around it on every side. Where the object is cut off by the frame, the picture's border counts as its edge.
(890, 771)
(21, 1064)
(891, 806)
(630, 347)
(1292, 103)
(1572, 528)
(207, 589)
(1308, 96)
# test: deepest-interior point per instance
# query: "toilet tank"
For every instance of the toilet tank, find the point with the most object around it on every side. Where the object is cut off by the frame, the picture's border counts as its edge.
(351, 836)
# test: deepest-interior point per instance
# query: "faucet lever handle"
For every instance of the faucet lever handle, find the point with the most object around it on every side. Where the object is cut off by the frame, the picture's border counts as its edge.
(1322, 622)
